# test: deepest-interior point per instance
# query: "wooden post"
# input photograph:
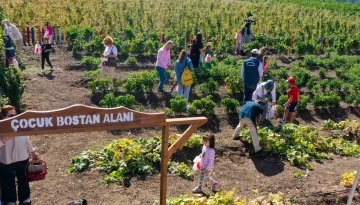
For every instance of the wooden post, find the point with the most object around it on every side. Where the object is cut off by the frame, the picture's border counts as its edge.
(33, 38)
(164, 164)
(39, 35)
(191, 38)
(25, 37)
(162, 38)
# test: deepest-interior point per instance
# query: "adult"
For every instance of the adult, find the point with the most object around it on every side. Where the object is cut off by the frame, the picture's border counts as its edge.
(197, 51)
(49, 32)
(10, 53)
(250, 115)
(238, 42)
(110, 53)
(163, 63)
(265, 92)
(251, 72)
(246, 34)
(182, 62)
(14, 157)
(12, 31)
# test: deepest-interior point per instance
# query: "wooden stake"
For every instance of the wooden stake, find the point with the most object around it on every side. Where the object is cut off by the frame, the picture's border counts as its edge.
(164, 164)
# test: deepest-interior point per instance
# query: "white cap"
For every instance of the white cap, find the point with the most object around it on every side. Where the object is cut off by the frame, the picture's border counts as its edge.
(255, 51)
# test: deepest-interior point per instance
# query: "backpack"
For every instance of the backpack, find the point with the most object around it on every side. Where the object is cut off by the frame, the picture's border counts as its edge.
(186, 76)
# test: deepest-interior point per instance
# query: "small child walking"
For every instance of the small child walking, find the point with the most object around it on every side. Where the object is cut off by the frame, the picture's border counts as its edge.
(293, 99)
(207, 163)
(45, 53)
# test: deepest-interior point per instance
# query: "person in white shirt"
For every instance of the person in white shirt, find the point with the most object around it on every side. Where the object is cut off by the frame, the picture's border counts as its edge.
(14, 33)
(263, 93)
(109, 52)
(14, 156)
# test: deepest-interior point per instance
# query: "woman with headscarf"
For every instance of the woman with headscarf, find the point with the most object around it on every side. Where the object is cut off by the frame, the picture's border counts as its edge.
(263, 93)
(246, 34)
(197, 50)
(12, 31)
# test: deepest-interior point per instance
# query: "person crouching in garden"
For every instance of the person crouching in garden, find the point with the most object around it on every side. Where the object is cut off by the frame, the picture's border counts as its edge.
(109, 62)
(14, 157)
(263, 93)
(163, 63)
(250, 115)
(183, 62)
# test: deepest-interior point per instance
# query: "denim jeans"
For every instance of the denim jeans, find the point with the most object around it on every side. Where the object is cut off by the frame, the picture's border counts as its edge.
(248, 91)
(8, 172)
(183, 89)
(265, 107)
(162, 75)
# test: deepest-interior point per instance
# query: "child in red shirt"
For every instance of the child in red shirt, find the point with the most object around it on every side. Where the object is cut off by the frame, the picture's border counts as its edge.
(293, 98)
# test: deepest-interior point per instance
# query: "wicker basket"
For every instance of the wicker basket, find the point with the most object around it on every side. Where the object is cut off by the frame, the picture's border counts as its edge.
(36, 170)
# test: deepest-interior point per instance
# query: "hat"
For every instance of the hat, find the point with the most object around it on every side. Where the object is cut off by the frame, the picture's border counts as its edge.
(291, 80)
(269, 85)
(255, 51)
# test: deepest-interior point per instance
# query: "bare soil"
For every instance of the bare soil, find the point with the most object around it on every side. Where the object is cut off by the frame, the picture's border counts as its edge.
(234, 168)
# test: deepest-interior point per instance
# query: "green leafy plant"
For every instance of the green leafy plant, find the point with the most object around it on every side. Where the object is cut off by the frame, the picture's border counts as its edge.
(178, 105)
(209, 87)
(234, 84)
(126, 157)
(131, 60)
(90, 62)
(12, 85)
(231, 105)
(322, 73)
(110, 101)
(205, 106)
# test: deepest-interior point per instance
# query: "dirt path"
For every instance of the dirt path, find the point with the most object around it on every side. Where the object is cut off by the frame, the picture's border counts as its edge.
(233, 170)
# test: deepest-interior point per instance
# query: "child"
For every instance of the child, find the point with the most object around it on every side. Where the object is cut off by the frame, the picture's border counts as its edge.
(209, 54)
(264, 63)
(207, 163)
(45, 52)
(49, 32)
(293, 98)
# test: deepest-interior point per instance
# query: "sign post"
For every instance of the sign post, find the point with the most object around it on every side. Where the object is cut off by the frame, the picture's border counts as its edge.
(82, 118)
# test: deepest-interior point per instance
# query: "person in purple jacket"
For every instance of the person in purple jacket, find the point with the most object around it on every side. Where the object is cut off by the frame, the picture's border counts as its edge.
(207, 163)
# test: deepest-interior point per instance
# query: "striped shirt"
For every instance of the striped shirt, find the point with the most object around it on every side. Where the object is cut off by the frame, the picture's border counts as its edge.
(207, 158)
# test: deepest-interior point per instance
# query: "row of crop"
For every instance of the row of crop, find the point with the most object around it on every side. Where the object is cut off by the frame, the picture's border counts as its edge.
(281, 20)
(131, 157)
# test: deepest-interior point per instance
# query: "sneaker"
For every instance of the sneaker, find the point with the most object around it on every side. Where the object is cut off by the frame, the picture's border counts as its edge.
(197, 189)
(42, 71)
(51, 69)
(282, 121)
(214, 186)
(260, 154)
(25, 203)
(237, 137)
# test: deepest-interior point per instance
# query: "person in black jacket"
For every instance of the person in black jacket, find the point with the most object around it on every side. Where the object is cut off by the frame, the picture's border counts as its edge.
(197, 50)
(45, 53)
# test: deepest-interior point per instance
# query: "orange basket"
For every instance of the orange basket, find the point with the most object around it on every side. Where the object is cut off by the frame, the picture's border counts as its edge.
(36, 170)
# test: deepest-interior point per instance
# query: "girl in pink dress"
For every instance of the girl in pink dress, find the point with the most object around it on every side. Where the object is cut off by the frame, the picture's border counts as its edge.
(49, 32)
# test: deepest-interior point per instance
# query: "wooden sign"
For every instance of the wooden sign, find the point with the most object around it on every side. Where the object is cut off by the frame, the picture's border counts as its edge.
(77, 118)
(82, 118)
